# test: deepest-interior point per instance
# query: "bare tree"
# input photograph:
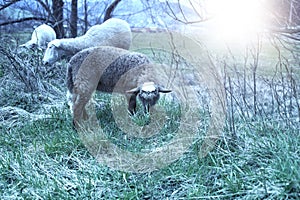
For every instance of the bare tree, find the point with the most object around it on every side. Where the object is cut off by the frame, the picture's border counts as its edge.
(287, 23)
(35, 17)
(74, 18)
(9, 3)
(57, 8)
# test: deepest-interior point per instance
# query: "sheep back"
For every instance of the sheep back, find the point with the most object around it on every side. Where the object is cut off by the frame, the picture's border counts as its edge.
(45, 34)
(41, 36)
(94, 62)
(113, 32)
(110, 69)
(74, 65)
(114, 72)
(101, 68)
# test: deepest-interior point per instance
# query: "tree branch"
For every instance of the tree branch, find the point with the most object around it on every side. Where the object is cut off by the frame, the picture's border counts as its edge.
(110, 9)
(287, 30)
(45, 6)
(23, 20)
(8, 4)
(184, 20)
(297, 38)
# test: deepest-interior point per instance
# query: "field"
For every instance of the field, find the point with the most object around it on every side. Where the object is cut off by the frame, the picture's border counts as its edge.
(257, 154)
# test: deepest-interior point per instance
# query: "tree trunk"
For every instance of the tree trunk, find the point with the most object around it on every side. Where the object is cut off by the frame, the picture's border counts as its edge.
(74, 18)
(85, 17)
(57, 8)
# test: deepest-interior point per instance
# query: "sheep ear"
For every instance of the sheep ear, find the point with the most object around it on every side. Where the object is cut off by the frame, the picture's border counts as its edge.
(134, 90)
(164, 90)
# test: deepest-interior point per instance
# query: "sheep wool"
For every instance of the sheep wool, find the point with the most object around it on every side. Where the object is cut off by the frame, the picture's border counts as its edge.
(111, 69)
(113, 32)
(40, 37)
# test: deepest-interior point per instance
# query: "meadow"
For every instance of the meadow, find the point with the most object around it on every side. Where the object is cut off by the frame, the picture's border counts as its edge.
(256, 156)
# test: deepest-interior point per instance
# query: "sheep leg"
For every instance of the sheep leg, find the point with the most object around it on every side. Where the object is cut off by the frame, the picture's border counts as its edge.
(84, 86)
(131, 103)
(79, 111)
(146, 108)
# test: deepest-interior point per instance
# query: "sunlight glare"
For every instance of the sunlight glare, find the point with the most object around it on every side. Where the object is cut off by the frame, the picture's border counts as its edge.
(236, 19)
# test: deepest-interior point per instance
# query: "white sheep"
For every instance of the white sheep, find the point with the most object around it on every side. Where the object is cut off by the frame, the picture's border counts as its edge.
(111, 69)
(113, 32)
(40, 37)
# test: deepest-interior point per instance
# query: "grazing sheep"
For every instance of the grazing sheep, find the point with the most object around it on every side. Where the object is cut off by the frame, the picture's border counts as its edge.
(113, 32)
(110, 69)
(40, 37)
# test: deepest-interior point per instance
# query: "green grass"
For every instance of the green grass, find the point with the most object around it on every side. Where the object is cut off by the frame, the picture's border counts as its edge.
(235, 54)
(257, 158)
(45, 159)
(160, 133)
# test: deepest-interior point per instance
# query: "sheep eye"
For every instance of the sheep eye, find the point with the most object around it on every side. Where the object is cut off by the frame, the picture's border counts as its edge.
(50, 46)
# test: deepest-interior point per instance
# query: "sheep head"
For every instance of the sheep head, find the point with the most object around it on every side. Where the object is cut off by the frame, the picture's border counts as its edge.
(52, 53)
(148, 94)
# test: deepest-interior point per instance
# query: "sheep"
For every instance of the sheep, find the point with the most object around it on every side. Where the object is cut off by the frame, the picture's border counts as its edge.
(113, 32)
(110, 69)
(40, 37)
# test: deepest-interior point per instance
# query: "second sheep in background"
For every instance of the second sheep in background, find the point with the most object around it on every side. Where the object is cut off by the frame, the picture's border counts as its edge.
(40, 37)
(113, 32)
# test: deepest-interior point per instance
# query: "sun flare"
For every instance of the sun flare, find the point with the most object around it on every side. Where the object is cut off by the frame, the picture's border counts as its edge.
(236, 19)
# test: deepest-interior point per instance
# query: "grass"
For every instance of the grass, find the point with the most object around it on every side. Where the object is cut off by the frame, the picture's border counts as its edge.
(42, 156)
(160, 133)
(197, 43)
(45, 159)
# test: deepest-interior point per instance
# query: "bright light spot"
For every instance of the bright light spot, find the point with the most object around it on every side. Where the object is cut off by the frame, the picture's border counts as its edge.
(236, 20)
